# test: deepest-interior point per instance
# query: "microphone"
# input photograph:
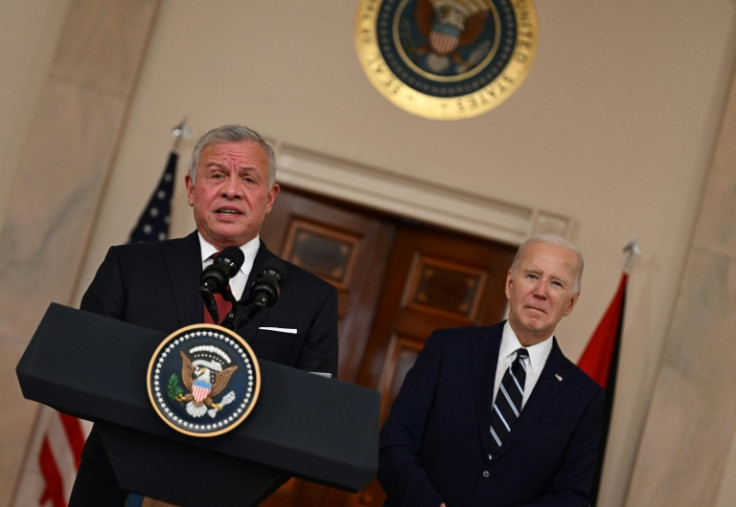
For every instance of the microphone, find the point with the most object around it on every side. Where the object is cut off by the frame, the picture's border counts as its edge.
(265, 292)
(267, 287)
(216, 276)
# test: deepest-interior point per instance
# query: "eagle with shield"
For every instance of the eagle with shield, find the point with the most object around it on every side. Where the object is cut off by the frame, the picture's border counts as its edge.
(205, 375)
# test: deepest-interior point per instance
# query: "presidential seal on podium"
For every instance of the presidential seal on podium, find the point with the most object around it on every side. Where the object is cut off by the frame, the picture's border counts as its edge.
(446, 59)
(203, 380)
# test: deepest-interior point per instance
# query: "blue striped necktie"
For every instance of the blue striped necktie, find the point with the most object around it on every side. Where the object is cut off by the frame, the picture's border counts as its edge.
(507, 406)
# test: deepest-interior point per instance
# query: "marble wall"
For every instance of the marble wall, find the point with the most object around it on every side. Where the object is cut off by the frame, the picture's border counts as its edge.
(58, 187)
(684, 453)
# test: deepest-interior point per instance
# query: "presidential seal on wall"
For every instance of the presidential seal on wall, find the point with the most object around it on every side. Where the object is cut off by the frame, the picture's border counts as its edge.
(446, 59)
(203, 380)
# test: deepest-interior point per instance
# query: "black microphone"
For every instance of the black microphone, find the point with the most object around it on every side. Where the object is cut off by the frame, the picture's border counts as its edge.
(217, 275)
(267, 287)
(264, 292)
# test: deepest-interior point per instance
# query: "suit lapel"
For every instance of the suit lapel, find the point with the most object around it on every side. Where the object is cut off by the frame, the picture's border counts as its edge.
(484, 358)
(184, 265)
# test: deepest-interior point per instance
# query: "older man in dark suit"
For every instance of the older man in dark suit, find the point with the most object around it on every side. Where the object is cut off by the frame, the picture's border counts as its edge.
(498, 416)
(231, 188)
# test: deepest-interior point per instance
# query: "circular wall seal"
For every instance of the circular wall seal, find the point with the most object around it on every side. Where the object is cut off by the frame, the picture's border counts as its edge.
(446, 59)
(203, 380)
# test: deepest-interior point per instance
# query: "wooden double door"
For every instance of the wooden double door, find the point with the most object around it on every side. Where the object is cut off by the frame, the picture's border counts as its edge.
(398, 280)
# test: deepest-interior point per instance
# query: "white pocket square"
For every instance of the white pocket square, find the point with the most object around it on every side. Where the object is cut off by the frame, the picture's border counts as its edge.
(279, 329)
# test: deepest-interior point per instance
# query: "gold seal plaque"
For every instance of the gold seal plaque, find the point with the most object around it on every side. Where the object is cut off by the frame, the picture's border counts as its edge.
(446, 59)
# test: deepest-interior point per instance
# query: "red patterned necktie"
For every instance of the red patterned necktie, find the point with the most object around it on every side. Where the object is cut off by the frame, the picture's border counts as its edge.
(223, 308)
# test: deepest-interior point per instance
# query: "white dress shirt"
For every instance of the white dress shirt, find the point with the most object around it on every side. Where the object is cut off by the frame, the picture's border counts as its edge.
(538, 355)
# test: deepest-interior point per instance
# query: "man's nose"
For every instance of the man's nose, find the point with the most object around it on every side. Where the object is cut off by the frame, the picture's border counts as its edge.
(540, 288)
(231, 188)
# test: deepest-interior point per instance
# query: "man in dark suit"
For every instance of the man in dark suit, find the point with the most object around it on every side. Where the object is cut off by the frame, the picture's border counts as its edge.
(231, 188)
(444, 442)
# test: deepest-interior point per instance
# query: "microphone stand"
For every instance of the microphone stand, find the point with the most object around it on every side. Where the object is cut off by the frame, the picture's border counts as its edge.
(251, 308)
(263, 293)
(209, 302)
(228, 322)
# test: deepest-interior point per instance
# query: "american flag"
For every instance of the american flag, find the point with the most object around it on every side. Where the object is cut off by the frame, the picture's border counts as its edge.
(153, 224)
(59, 438)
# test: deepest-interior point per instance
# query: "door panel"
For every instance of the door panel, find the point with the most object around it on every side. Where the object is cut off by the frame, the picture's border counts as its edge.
(397, 282)
(346, 247)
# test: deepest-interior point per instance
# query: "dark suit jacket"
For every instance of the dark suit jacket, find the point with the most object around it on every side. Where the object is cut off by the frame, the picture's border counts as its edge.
(156, 285)
(434, 445)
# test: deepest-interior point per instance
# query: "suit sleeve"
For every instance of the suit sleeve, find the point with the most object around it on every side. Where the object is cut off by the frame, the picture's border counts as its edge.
(570, 486)
(319, 353)
(105, 295)
(400, 470)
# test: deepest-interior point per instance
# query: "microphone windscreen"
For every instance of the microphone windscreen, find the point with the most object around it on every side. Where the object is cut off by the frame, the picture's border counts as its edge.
(233, 257)
(274, 267)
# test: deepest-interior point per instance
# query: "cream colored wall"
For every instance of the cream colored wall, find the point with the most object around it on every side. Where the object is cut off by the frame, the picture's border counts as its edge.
(614, 127)
(28, 34)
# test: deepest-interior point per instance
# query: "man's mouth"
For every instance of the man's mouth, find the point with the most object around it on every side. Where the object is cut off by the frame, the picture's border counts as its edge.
(536, 309)
(228, 211)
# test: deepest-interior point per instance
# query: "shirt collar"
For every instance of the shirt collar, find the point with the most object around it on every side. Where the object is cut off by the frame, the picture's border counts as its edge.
(538, 353)
(249, 251)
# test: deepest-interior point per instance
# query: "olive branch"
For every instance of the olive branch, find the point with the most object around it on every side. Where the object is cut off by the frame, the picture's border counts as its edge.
(174, 389)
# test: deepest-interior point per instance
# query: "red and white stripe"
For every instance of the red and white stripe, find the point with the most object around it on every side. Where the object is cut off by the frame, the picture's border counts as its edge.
(443, 44)
(52, 460)
(200, 392)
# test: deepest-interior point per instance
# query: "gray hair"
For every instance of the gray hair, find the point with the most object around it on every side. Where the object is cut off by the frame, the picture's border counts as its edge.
(553, 239)
(232, 134)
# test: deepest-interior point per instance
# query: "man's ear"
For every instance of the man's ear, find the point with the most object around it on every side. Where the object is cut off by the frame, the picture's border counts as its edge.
(573, 302)
(507, 289)
(190, 189)
(273, 192)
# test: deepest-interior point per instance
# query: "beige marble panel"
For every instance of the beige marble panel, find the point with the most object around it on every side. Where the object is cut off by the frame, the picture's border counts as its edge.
(54, 198)
(39, 245)
(689, 432)
(716, 229)
(52, 210)
(104, 51)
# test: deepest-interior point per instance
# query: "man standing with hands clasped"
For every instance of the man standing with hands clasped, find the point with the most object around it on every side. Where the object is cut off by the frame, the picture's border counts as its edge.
(498, 416)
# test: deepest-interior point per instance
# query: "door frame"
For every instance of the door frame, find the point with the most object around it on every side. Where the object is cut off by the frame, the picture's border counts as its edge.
(402, 195)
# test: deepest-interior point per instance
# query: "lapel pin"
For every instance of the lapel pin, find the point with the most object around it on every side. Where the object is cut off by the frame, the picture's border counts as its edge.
(558, 377)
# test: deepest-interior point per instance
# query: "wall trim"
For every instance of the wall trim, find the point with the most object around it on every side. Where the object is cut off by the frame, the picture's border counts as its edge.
(415, 198)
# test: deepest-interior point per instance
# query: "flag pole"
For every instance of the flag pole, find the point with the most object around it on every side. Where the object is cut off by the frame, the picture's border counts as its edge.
(179, 132)
(631, 249)
(153, 223)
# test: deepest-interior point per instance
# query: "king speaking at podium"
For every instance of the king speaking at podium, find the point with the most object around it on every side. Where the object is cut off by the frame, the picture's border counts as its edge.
(231, 188)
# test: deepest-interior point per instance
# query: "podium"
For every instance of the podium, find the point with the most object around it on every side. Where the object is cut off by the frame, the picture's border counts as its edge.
(303, 425)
